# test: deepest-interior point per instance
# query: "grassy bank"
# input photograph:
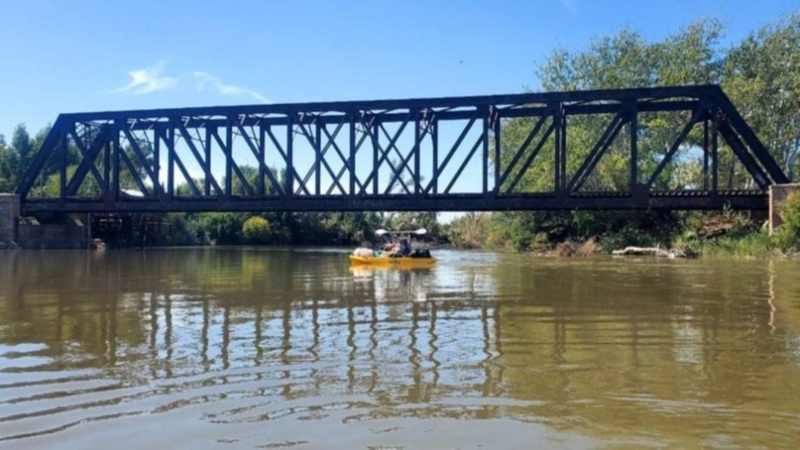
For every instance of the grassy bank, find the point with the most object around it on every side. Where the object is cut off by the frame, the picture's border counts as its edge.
(721, 234)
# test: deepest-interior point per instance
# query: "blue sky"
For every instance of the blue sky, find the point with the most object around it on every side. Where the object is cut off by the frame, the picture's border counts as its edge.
(89, 55)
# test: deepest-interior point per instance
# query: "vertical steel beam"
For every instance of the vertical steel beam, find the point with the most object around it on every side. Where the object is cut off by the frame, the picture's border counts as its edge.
(158, 189)
(317, 160)
(435, 145)
(558, 129)
(62, 189)
(706, 151)
(228, 160)
(351, 158)
(262, 164)
(418, 136)
(634, 142)
(714, 156)
(485, 145)
(375, 160)
(289, 156)
(117, 150)
(497, 144)
(207, 162)
(107, 157)
(169, 137)
(563, 146)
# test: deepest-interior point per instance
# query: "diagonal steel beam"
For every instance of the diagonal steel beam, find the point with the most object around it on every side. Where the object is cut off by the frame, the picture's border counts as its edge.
(315, 143)
(347, 164)
(175, 159)
(464, 163)
(397, 173)
(438, 169)
(740, 150)
(597, 152)
(88, 162)
(749, 138)
(262, 166)
(675, 146)
(531, 157)
(374, 174)
(132, 170)
(142, 159)
(228, 150)
(36, 166)
(521, 150)
(193, 148)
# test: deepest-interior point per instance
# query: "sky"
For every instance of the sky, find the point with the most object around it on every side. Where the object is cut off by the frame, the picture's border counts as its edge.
(91, 55)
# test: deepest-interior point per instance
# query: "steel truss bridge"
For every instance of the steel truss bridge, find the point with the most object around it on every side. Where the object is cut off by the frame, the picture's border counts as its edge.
(434, 154)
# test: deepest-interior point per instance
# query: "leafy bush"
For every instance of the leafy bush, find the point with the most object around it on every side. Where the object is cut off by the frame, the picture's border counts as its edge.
(256, 230)
(788, 235)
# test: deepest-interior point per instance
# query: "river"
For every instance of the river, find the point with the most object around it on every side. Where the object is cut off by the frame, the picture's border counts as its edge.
(282, 348)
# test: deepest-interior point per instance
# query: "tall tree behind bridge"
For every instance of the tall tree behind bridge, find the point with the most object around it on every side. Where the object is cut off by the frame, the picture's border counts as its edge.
(6, 169)
(762, 77)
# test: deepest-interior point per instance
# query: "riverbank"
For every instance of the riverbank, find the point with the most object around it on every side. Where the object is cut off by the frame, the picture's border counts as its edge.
(720, 234)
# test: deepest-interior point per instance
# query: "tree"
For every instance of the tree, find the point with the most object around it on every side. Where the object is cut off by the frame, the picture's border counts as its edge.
(692, 55)
(6, 168)
(23, 150)
(762, 77)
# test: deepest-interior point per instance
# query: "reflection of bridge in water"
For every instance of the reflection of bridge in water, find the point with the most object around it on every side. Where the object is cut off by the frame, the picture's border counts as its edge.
(530, 341)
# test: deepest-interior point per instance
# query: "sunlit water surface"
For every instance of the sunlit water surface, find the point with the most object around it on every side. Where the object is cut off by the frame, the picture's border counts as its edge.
(255, 348)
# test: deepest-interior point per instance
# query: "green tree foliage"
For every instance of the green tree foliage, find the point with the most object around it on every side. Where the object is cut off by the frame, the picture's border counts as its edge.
(7, 175)
(256, 230)
(788, 236)
(223, 228)
(23, 149)
(414, 221)
(762, 77)
(15, 157)
(468, 231)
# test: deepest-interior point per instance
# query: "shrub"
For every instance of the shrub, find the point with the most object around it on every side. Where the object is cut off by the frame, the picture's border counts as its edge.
(256, 230)
(788, 235)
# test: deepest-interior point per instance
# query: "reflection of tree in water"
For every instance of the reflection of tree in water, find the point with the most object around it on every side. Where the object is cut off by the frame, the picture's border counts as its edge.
(543, 337)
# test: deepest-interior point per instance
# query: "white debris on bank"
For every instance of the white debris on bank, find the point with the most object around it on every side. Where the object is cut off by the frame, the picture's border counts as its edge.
(653, 251)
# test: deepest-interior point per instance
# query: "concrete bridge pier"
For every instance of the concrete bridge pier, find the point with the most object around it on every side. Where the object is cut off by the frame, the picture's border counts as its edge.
(777, 194)
(9, 217)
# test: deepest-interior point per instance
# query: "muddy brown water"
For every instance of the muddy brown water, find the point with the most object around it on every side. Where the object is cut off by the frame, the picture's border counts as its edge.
(293, 348)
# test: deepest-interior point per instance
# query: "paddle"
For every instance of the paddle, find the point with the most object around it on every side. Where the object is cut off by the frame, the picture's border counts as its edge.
(420, 231)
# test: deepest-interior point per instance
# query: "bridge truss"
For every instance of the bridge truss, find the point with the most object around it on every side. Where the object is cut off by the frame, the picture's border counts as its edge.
(435, 154)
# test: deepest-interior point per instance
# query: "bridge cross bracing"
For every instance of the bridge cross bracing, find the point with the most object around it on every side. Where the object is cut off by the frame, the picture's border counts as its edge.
(436, 154)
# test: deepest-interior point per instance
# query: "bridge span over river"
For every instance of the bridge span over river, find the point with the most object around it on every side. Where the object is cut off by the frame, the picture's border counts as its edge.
(438, 154)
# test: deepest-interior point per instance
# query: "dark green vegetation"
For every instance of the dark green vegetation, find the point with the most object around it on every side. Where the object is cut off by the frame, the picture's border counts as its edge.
(329, 228)
(761, 75)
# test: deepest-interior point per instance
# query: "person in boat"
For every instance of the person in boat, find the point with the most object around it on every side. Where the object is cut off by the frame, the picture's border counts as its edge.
(405, 249)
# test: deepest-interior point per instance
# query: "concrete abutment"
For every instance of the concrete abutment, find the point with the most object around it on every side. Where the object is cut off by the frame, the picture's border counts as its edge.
(777, 195)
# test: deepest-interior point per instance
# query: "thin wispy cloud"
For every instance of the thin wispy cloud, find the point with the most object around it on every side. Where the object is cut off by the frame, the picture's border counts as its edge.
(207, 81)
(571, 5)
(155, 78)
(147, 80)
